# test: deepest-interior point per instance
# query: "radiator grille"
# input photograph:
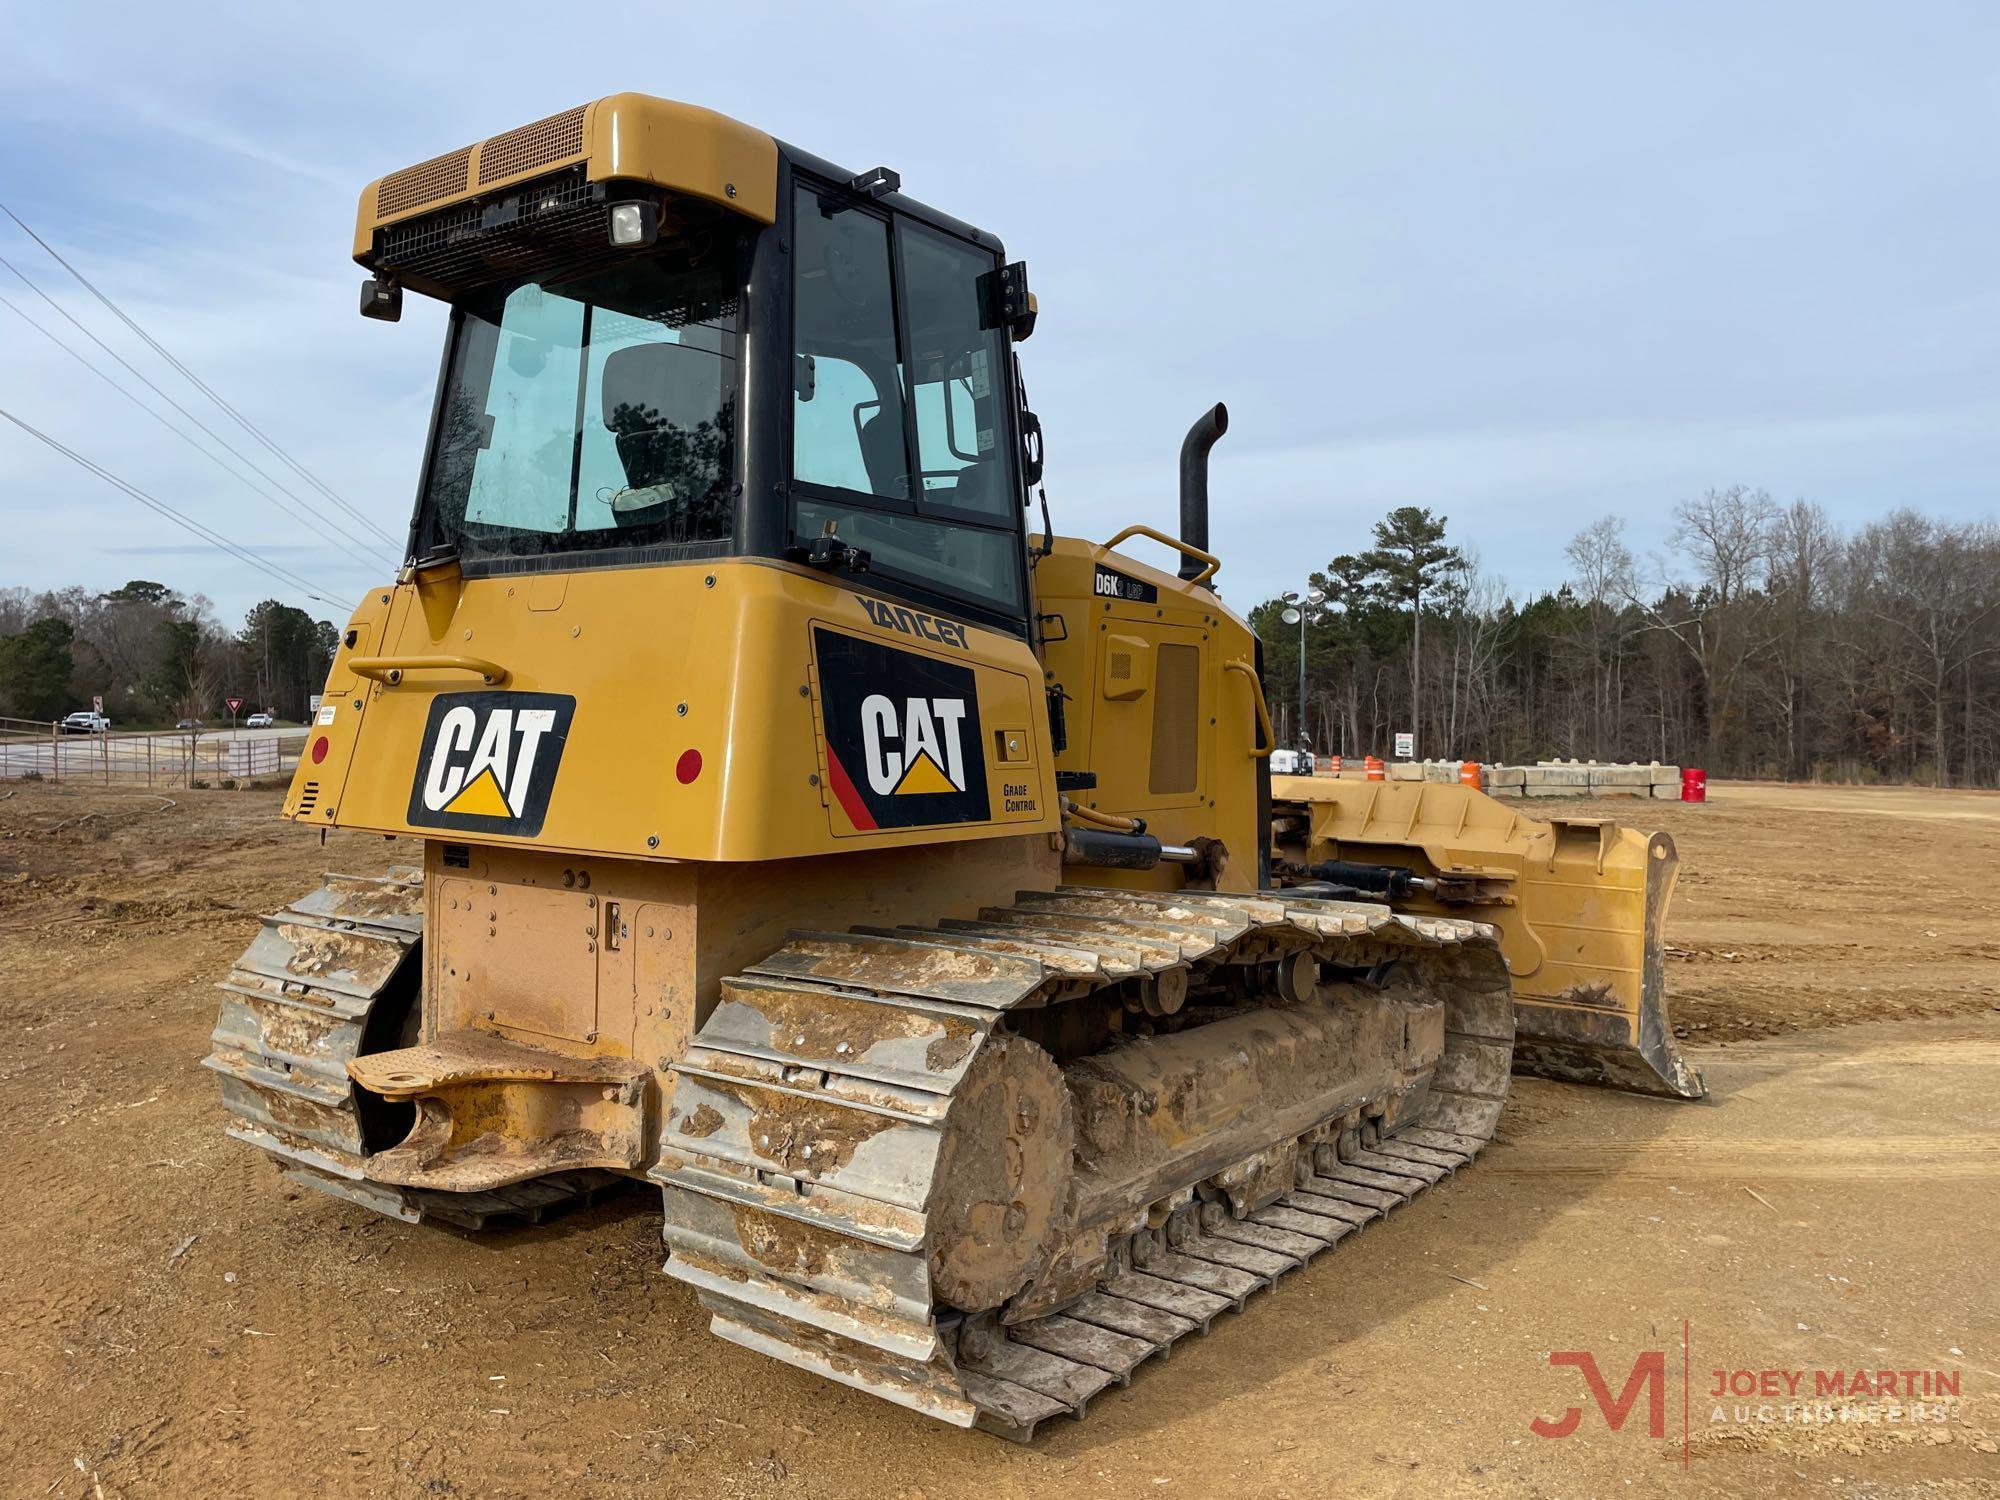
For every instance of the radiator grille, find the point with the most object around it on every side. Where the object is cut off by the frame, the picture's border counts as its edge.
(1176, 719)
(542, 144)
(1121, 666)
(426, 182)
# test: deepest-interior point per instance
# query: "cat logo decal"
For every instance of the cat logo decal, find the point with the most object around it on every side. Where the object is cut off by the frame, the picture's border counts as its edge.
(902, 735)
(489, 760)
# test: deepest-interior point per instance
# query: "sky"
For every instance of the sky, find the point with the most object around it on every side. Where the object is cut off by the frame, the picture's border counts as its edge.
(1526, 265)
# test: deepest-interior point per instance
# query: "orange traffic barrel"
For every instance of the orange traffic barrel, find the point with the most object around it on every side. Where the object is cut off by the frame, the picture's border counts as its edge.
(1376, 771)
(1333, 765)
(1468, 773)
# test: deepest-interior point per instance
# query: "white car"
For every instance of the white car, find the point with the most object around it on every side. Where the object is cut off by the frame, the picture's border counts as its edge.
(86, 722)
(259, 721)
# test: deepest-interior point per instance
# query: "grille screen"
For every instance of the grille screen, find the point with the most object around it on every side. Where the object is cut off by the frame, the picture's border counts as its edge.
(309, 796)
(1121, 666)
(471, 244)
(426, 182)
(541, 144)
(1176, 719)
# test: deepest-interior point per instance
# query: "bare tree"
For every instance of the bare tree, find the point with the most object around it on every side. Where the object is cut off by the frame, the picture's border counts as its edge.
(1717, 615)
(1604, 577)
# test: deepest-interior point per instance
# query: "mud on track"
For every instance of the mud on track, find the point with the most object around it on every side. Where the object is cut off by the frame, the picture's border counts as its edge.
(1835, 968)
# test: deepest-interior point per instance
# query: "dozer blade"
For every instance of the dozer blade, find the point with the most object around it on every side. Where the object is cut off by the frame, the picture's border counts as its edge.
(1580, 903)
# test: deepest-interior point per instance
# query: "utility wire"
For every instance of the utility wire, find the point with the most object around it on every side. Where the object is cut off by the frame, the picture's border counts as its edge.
(197, 382)
(141, 377)
(304, 517)
(283, 575)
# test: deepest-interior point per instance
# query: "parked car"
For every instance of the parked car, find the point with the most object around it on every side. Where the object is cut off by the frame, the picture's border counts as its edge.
(190, 724)
(86, 722)
(259, 721)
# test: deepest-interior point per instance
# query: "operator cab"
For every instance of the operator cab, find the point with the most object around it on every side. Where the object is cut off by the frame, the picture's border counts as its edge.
(637, 375)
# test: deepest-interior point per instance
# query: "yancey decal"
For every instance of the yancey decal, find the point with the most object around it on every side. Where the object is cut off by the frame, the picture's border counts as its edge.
(489, 760)
(914, 622)
(1109, 583)
(903, 747)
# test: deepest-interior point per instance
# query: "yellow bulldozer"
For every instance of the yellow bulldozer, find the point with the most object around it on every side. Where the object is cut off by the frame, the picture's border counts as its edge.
(902, 892)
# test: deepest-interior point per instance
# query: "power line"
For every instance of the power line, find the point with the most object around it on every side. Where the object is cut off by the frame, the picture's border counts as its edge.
(304, 517)
(187, 523)
(197, 382)
(142, 378)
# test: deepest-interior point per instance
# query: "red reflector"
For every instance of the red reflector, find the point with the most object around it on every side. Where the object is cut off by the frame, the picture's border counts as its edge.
(319, 749)
(689, 766)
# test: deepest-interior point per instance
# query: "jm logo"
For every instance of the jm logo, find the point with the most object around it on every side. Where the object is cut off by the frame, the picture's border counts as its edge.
(913, 750)
(1648, 1377)
(489, 760)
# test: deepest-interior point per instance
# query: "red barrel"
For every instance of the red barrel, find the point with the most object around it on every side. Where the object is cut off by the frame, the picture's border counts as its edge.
(1694, 784)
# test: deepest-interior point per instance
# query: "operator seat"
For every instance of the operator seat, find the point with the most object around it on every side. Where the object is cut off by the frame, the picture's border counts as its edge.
(660, 404)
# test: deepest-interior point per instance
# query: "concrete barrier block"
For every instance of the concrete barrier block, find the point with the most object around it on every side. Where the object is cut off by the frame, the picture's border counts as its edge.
(1506, 775)
(1554, 789)
(1406, 770)
(1576, 776)
(1621, 776)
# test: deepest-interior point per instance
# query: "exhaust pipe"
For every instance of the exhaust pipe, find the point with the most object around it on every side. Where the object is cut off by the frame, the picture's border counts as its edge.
(1201, 437)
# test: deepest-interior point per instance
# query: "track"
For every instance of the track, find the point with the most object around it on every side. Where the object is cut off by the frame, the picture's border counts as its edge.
(822, 1206)
(330, 977)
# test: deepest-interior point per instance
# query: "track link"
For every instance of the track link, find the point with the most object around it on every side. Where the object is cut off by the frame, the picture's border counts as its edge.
(332, 976)
(801, 1171)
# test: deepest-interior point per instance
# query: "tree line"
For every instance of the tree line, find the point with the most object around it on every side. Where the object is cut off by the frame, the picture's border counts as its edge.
(154, 654)
(1765, 641)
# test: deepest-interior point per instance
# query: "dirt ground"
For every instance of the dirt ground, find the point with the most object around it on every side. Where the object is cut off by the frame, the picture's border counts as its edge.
(178, 1322)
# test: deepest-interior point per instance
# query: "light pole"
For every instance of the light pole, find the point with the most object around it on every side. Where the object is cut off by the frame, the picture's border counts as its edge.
(1294, 615)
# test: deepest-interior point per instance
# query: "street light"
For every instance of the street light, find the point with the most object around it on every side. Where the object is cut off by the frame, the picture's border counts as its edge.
(1293, 615)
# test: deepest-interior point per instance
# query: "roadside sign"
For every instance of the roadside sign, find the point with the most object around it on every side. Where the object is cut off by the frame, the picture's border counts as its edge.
(235, 705)
(97, 703)
(1406, 744)
(312, 711)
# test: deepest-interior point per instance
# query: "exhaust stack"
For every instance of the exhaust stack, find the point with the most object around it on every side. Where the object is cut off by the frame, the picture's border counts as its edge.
(1201, 437)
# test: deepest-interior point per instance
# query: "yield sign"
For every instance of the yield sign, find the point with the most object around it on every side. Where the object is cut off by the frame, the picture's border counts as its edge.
(235, 705)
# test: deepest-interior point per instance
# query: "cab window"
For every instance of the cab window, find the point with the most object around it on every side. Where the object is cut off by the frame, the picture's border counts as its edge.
(899, 434)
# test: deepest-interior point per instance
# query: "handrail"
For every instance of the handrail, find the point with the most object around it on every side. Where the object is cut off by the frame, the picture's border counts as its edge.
(1263, 712)
(390, 669)
(1177, 544)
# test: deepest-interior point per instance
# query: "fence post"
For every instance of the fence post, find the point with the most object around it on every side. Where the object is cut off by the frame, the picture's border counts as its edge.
(55, 751)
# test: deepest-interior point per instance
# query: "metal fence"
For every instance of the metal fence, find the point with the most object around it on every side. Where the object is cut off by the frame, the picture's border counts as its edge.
(166, 758)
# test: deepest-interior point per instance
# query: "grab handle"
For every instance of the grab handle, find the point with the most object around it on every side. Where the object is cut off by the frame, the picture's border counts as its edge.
(390, 669)
(1211, 561)
(1262, 752)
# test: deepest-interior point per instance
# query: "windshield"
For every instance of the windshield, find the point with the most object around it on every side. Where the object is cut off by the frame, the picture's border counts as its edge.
(591, 410)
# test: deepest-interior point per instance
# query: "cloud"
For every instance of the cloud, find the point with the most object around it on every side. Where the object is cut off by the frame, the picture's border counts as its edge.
(1524, 265)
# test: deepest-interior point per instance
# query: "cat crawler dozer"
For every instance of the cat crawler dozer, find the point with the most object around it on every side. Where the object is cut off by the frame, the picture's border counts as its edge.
(901, 894)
